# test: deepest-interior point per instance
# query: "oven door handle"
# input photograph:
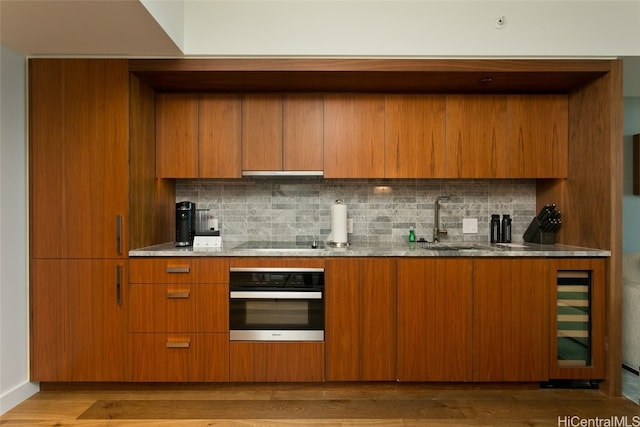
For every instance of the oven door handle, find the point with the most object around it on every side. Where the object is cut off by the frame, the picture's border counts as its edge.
(274, 295)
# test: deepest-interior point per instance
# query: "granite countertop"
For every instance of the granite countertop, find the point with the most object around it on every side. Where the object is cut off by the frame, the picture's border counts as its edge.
(383, 249)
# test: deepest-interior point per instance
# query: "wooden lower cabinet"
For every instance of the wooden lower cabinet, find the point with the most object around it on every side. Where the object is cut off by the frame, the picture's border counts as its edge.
(178, 319)
(277, 361)
(511, 319)
(360, 320)
(77, 320)
(180, 357)
(435, 310)
(178, 308)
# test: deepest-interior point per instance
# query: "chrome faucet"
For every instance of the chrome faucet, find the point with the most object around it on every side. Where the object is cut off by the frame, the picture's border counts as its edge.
(437, 231)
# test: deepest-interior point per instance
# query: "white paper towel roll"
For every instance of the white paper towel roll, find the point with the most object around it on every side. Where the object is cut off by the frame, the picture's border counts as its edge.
(338, 223)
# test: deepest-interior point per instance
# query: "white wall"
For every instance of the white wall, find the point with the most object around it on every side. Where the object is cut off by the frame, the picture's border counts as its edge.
(14, 333)
(411, 28)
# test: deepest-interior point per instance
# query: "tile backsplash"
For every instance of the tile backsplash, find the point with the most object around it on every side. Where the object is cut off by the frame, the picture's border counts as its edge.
(288, 209)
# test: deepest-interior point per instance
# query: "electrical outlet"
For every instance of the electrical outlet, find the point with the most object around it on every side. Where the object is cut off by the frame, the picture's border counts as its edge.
(470, 225)
(349, 225)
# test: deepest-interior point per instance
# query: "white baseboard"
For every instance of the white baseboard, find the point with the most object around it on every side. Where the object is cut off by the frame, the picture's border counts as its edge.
(17, 395)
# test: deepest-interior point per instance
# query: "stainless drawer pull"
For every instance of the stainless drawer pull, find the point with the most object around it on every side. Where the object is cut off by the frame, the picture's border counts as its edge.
(178, 344)
(178, 294)
(178, 269)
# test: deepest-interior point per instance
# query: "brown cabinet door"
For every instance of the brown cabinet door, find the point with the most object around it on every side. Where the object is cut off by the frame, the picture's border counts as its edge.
(354, 136)
(219, 135)
(360, 320)
(261, 132)
(511, 320)
(302, 134)
(476, 131)
(176, 135)
(537, 136)
(435, 310)
(414, 136)
(78, 148)
(277, 361)
(78, 320)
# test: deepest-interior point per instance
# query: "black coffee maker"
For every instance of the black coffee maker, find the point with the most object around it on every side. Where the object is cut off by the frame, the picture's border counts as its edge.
(185, 223)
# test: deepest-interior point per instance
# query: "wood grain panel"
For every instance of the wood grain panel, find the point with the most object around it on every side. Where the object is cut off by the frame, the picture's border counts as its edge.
(435, 308)
(360, 321)
(414, 136)
(79, 157)
(77, 324)
(597, 316)
(343, 308)
(213, 270)
(511, 320)
(219, 136)
(537, 136)
(277, 262)
(277, 361)
(476, 136)
(159, 270)
(151, 201)
(303, 132)
(378, 321)
(179, 357)
(262, 132)
(176, 135)
(353, 136)
(178, 308)
(371, 75)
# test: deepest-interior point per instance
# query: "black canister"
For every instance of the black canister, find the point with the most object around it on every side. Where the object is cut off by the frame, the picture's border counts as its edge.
(495, 228)
(506, 229)
(185, 223)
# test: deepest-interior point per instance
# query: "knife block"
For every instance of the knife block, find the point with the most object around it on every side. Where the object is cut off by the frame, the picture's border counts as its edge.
(535, 235)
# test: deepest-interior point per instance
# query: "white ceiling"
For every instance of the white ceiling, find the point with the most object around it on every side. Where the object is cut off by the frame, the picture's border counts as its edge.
(88, 27)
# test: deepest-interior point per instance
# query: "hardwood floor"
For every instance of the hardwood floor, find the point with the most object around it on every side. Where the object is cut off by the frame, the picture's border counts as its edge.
(327, 404)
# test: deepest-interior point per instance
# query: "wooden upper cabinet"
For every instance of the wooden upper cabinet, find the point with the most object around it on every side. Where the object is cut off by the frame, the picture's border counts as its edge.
(476, 132)
(414, 136)
(537, 135)
(177, 136)
(197, 136)
(354, 136)
(219, 135)
(261, 132)
(302, 133)
(282, 132)
(78, 158)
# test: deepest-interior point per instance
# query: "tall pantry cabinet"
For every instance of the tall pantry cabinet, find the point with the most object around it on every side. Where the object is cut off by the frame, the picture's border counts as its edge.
(79, 198)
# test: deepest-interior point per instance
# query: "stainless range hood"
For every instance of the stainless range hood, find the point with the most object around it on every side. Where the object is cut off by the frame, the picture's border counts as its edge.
(283, 174)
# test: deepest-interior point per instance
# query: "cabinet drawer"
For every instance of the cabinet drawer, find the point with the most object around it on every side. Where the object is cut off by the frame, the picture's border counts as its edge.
(162, 270)
(178, 307)
(179, 357)
(178, 270)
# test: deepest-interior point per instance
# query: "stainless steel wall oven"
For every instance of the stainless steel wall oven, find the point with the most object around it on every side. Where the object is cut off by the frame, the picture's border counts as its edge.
(276, 304)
